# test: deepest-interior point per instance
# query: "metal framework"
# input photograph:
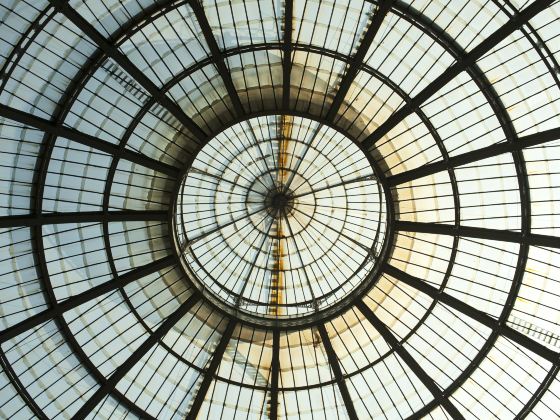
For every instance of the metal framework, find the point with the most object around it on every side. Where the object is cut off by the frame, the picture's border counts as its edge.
(145, 202)
(358, 58)
(287, 50)
(211, 370)
(481, 233)
(217, 56)
(475, 314)
(85, 139)
(524, 142)
(467, 60)
(84, 297)
(82, 217)
(335, 366)
(274, 374)
(408, 359)
(127, 65)
(135, 357)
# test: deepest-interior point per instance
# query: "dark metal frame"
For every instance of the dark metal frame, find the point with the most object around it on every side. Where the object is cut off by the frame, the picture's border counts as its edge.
(95, 292)
(83, 217)
(337, 372)
(533, 239)
(136, 356)
(287, 48)
(211, 370)
(314, 319)
(358, 58)
(216, 55)
(111, 51)
(479, 316)
(493, 150)
(397, 346)
(59, 130)
(274, 374)
(466, 62)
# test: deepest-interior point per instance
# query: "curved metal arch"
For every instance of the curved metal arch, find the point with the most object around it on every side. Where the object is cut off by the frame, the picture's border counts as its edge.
(426, 121)
(48, 144)
(330, 123)
(342, 306)
(511, 135)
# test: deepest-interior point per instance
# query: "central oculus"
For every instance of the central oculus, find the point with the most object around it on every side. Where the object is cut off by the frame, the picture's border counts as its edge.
(279, 202)
(280, 220)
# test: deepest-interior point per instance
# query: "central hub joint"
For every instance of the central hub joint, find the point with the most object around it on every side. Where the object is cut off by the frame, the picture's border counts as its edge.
(279, 202)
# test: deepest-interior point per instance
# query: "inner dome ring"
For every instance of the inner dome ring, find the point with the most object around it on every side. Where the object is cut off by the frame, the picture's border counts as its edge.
(280, 228)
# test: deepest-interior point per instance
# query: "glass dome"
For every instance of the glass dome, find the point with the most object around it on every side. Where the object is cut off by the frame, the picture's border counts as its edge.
(279, 209)
(281, 228)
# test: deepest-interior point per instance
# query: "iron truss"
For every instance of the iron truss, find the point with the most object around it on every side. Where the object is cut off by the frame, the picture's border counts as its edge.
(160, 97)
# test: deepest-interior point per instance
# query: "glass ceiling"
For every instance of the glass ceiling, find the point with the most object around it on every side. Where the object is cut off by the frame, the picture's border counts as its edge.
(280, 224)
(279, 209)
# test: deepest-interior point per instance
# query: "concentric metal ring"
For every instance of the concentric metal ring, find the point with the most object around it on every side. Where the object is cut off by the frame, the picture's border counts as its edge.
(282, 227)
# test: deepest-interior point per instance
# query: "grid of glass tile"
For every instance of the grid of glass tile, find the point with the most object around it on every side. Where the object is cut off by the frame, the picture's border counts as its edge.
(279, 209)
(280, 224)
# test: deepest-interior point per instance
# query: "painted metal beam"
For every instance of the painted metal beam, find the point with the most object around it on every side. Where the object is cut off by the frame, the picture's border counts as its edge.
(86, 139)
(217, 55)
(274, 375)
(84, 297)
(521, 143)
(420, 373)
(534, 239)
(122, 60)
(287, 51)
(211, 370)
(337, 371)
(83, 217)
(453, 71)
(358, 58)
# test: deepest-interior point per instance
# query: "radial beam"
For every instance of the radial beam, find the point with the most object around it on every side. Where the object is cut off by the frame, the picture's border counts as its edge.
(358, 58)
(84, 297)
(211, 370)
(287, 51)
(477, 315)
(83, 217)
(135, 357)
(461, 65)
(534, 239)
(521, 143)
(420, 373)
(85, 139)
(337, 371)
(274, 375)
(122, 60)
(217, 55)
